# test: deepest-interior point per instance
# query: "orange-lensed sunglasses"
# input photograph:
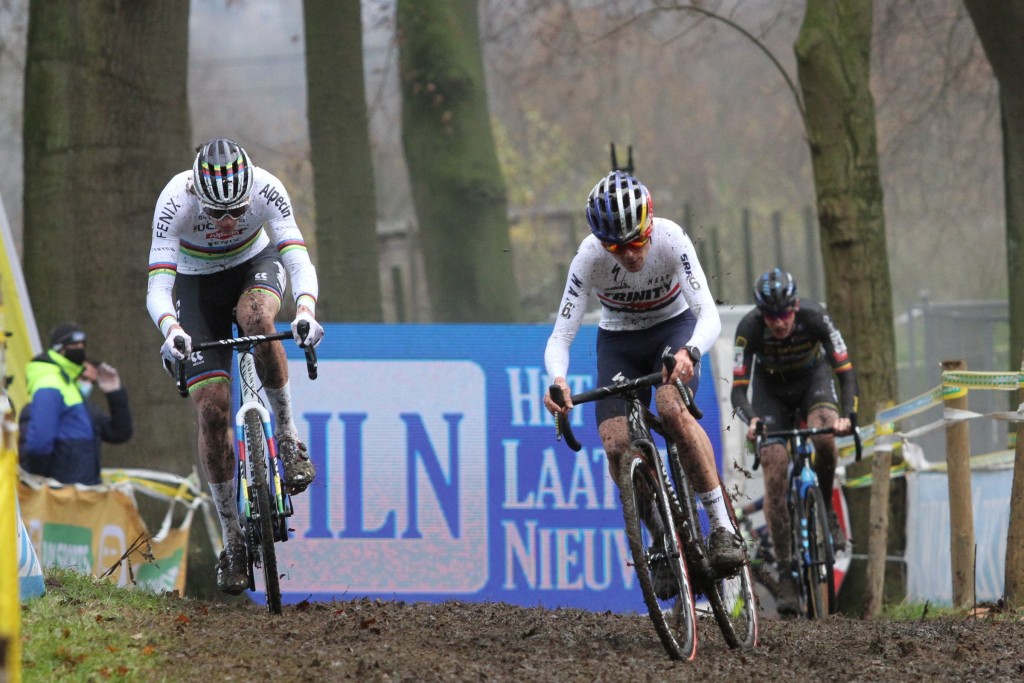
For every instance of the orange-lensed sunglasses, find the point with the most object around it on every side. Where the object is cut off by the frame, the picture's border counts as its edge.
(635, 244)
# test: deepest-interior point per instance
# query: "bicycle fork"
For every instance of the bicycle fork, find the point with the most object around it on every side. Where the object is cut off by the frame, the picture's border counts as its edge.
(282, 503)
(807, 480)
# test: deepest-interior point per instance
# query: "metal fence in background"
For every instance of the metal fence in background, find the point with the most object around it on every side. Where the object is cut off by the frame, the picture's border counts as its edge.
(976, 332)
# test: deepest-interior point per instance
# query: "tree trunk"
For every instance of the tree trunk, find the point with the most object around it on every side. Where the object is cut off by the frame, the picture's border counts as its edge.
(1000, 26)
(106, 125)
(457, 185)
(346, 204)
(833, 51)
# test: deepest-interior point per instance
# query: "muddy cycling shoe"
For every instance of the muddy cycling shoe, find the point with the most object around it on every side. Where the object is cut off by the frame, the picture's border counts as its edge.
(664, 582)
(725, 549)
(298, 468)
(232, 570)
(838, 536)
(787, 602)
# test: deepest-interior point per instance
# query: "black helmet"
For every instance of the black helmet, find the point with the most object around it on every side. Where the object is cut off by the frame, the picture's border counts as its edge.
(619, 208)
(775, 291)
(222, 174)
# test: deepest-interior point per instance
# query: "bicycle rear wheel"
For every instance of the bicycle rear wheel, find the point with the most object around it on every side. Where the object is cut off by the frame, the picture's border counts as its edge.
(262, 548)
(818, 561)
(657, 557)
(734, 602)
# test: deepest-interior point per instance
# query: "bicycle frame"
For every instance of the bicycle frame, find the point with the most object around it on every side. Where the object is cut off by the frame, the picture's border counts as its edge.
(642, 422)
(249, 384)
(804, 493)
(680, 543)
(262, 501)
(802, 481)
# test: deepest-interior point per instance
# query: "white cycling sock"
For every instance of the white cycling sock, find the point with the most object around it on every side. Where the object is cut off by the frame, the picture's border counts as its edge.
(714, 505)
(281, 404)
(227, 509)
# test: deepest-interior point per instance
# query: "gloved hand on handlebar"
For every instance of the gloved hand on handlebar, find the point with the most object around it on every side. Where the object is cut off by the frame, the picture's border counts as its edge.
(313, 336)
(170, 352)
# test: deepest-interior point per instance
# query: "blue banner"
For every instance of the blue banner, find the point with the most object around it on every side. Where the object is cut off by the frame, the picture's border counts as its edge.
(439, 477)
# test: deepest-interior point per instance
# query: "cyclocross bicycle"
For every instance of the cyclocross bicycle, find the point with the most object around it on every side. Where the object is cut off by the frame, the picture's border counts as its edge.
(812, 552)
(666, 535)
(263, 503)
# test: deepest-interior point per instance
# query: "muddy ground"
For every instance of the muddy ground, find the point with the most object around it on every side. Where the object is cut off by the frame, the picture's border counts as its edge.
(395, 641)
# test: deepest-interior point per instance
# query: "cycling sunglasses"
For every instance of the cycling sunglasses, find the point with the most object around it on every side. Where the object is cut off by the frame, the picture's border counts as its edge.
(779, 315)
(635, 244)
(217, 214)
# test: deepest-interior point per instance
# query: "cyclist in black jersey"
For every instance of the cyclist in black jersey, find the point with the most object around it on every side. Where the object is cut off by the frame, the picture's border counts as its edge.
(797, 350)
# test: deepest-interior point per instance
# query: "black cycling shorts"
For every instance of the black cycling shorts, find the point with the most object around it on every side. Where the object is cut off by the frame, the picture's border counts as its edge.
(777, 403)
(206, 309)
(635, 353)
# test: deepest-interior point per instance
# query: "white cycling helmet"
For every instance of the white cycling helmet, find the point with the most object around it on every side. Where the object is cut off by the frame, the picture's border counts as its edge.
(222, 174)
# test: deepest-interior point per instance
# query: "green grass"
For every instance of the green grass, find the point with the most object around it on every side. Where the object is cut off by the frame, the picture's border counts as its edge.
(926, 610)
(910, 611)
(86, 629)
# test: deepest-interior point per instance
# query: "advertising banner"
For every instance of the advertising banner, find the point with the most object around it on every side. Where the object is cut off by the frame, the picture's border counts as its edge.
(439, 477)
(92, 528)
(929, 577)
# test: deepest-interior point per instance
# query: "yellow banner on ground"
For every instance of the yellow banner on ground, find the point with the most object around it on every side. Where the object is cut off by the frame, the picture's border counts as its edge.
(97, 530)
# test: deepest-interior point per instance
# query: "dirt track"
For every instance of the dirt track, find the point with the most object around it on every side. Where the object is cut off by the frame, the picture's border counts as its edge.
(377, 641)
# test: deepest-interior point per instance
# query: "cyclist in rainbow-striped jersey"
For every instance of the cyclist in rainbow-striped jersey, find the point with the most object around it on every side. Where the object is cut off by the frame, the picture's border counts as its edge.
(224, 233)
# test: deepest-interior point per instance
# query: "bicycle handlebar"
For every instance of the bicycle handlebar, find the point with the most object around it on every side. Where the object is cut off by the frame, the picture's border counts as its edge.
(241, 343)
(760, 434)
(562, 427)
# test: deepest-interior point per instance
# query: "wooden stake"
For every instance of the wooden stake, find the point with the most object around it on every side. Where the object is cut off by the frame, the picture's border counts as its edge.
(961, 512)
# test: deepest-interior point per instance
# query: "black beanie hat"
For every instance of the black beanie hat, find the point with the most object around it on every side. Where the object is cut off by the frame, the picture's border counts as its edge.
(66, 333)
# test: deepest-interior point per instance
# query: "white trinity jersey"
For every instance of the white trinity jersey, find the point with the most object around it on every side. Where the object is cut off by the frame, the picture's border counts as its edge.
(670, 282)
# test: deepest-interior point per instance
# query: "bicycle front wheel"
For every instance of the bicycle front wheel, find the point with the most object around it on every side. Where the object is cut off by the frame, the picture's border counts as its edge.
(657, 557)
(261, 550)
(818, 570)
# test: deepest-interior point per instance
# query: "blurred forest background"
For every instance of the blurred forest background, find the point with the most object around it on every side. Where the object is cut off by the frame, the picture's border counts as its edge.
(715, 132)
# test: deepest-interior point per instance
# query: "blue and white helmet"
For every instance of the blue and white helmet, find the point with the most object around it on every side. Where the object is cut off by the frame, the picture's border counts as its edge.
(619, 208)
(222, 174)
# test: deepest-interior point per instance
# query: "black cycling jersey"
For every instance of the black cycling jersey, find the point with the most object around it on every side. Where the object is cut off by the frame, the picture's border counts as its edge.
(793, 363)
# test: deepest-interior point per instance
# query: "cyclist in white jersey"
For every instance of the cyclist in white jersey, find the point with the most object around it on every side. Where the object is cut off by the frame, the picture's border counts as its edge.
(223, 234)
(654, 297)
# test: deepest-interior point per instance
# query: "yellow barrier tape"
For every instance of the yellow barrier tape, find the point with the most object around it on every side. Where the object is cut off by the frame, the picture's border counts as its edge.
(158, 484)
(182, 492)
(916, 405)
(950, 392)
(896, 471)
(1004, 381)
